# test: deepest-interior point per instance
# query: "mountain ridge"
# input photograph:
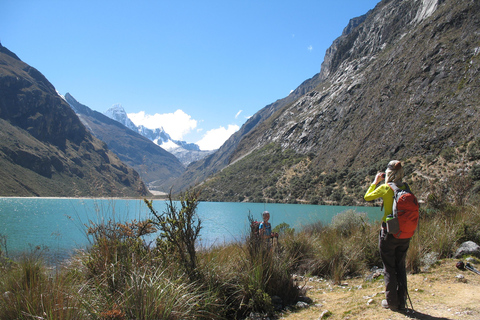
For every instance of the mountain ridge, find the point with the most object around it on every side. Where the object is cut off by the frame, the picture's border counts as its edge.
(44, 148)
(155, 165)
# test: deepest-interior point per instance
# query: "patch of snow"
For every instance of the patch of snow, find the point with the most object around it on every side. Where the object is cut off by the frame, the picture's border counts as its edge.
(168, 145)
(61, 96)
(427, 8)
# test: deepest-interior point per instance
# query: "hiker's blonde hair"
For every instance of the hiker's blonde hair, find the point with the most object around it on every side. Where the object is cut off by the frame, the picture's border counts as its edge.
(394, 172)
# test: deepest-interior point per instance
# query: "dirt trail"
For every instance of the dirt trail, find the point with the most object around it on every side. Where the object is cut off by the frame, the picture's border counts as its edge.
(440, 293)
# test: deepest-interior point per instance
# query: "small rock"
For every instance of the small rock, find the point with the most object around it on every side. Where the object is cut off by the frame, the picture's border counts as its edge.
(257, 316)
(305, 299)
(369, 297)
(301, 305)
(461, 278)
(325, 314)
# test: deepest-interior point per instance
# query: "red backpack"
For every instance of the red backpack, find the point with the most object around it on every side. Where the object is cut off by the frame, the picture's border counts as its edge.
(254, 228)
(403, 222)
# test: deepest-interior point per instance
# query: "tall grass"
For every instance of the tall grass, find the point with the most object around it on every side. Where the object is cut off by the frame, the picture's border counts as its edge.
(120, 277)
(29, 290)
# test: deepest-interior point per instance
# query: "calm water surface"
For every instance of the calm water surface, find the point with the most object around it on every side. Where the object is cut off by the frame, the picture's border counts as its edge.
(58, 224)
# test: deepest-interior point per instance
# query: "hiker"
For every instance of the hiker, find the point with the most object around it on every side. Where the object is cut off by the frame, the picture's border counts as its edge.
(392, 250)
(265, 228)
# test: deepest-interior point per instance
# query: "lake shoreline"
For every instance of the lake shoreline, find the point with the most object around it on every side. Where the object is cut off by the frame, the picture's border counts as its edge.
(59, 223)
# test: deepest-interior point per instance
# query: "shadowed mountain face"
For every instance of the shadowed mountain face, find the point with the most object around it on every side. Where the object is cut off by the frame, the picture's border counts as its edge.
(156, 166)
(44, 148)
(400, 82)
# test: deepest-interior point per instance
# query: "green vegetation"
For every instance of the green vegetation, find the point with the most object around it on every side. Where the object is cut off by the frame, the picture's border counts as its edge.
(275, 175)
(283, 176)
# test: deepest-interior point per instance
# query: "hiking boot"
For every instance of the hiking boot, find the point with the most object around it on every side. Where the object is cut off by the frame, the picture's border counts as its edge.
(386, 306)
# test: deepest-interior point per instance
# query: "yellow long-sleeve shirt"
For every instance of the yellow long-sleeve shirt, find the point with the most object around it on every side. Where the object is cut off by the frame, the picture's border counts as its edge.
(384, 192)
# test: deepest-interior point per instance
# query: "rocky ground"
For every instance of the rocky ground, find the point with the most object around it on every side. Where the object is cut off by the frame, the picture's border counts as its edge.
(442, 292)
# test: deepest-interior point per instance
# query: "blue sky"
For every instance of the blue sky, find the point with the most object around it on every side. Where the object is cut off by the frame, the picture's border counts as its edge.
(197, 68)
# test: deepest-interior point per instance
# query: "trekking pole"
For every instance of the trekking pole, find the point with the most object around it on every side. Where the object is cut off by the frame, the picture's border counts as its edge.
(471, 268)
(462, 266)
(408, 296)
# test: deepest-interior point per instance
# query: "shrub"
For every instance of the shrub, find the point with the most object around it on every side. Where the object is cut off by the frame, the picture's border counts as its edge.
(336, 258)
(179, 229)
(301, 249)
(283, 229)
(348, 221)
(117, 249)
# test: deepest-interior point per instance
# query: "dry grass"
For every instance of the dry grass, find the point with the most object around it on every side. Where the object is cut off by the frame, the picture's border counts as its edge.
(436, 294)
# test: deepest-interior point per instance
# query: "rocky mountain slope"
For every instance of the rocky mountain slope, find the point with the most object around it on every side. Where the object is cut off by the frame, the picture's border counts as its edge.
(401, 82)
(44, 148)
(198, 171)
(184, 151)
(155, 165)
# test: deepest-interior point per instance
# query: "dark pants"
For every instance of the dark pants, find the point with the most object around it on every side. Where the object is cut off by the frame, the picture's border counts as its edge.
(393, 252)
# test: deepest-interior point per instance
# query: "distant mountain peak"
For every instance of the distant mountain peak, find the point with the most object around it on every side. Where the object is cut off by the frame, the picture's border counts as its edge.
(117, 112)
(184, 151)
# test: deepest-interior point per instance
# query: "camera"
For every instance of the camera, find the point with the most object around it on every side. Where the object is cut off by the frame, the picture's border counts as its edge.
(383, 175)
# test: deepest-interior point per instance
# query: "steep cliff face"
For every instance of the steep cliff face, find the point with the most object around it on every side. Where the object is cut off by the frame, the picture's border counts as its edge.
(44, 148)
(402, 82)
(156, 166)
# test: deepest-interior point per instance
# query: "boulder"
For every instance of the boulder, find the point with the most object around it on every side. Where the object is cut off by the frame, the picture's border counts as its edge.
(468, 248)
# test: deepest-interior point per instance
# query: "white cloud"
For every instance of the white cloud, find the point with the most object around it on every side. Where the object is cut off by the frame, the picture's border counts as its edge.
(238, 113)
(176, 124)
(310, 48)
(214, 138)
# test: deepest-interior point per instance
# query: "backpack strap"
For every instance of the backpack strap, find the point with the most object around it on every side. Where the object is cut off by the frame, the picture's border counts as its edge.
(395, 188)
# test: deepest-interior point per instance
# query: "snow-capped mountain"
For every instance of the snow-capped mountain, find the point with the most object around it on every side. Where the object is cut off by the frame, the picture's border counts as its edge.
(159, 136)
(116, 112)
(184, 151)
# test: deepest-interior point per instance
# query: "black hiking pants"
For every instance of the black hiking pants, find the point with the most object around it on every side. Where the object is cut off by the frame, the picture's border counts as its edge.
(393, 252)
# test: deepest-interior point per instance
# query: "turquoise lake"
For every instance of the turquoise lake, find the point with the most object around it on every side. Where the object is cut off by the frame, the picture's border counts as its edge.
(58, 224)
